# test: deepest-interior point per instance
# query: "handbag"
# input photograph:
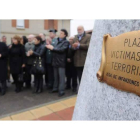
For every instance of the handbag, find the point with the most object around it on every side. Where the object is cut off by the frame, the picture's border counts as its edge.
(20, 76)
(38, 67)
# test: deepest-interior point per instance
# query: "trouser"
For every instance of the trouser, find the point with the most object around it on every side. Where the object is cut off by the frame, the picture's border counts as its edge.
(46, 75)
(28, 75)
(79, 73)
(71, 75)
(8, 73)
(50, 74)
(59, 79)
(38, 81)
(14, 77)
(17, 83)
(3, 86)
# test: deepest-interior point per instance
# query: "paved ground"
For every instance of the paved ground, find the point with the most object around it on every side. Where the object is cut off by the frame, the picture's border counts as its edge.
(58, 110)
(13, 102)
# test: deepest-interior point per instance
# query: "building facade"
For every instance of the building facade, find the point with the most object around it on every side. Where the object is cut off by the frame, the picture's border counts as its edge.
(9, 28)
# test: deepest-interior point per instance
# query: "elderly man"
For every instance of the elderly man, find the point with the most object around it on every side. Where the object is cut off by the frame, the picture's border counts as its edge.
(4, 39)
(80, 46)
(49, 76)
(71, 73)
(29, 46)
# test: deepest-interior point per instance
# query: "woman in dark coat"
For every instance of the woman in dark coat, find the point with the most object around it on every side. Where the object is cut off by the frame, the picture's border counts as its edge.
(38, 52)
(3, 67)
(24, 40)
(17, 61)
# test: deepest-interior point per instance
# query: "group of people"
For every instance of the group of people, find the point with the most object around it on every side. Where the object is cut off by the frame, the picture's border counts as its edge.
(60, 60)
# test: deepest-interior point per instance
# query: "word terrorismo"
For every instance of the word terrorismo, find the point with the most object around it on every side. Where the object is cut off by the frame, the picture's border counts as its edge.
(132, 69)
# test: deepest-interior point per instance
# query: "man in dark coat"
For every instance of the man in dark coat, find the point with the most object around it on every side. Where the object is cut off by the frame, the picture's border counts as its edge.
(59, 62)
(71, 73)
(3, 66)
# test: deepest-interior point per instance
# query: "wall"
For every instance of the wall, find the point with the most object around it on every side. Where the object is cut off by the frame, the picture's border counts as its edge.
(35, 27)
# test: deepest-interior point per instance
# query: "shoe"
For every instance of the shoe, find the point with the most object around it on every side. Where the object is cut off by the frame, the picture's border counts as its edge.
(17, 90)
(49, 87)
(28, 87)
(61, 94)
(53, 91)
(2, 93)
(35, 90)
(40, 91)
(74, 90)
(67, 87)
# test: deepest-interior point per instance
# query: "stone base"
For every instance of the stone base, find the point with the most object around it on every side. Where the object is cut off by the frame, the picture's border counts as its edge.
(99, 101)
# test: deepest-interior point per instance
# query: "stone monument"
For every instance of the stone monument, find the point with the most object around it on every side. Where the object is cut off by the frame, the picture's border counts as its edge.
(99, 101)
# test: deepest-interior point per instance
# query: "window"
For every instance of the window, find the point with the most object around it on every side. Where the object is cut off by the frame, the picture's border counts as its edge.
(20, 23)
(50, 24)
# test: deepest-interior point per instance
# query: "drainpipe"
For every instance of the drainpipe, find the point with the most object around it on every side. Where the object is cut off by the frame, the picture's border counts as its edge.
(62, 23)
(0, 28)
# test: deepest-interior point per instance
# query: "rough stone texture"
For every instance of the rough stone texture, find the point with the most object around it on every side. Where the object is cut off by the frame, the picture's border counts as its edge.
(98, 101)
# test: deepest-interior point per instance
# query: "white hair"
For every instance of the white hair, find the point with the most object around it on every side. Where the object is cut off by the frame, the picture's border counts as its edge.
(80, 26)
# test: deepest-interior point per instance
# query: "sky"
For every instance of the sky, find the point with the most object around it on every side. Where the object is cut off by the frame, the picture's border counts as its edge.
(88, 25)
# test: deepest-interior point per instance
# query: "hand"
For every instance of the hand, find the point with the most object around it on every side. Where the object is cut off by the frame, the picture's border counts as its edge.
(10, 46)
(69, 60)
(76, 44)
(31, 52)
(28, 54)
(23, 65)
(50, 47)
(47, 41)
(0, 55)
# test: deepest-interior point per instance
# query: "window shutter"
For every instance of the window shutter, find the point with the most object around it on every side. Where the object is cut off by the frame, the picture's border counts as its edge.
(51, 24)
(46, 25)
(56, 24)
(26, 22)
(14, 23)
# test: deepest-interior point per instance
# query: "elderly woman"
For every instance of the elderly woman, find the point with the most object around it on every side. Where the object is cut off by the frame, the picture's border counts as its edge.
(17, 61)
(3, 67)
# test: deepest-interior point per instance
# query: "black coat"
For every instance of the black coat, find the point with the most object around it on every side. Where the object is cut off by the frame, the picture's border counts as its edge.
(3, 61)
(60, 53)
(17, 58)
(40, 51)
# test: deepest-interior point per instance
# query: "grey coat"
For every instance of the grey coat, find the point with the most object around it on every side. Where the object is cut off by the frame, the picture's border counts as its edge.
(29, 46)
(49, 53)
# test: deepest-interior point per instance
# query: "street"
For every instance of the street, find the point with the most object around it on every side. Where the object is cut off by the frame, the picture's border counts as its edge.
(13, 102)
